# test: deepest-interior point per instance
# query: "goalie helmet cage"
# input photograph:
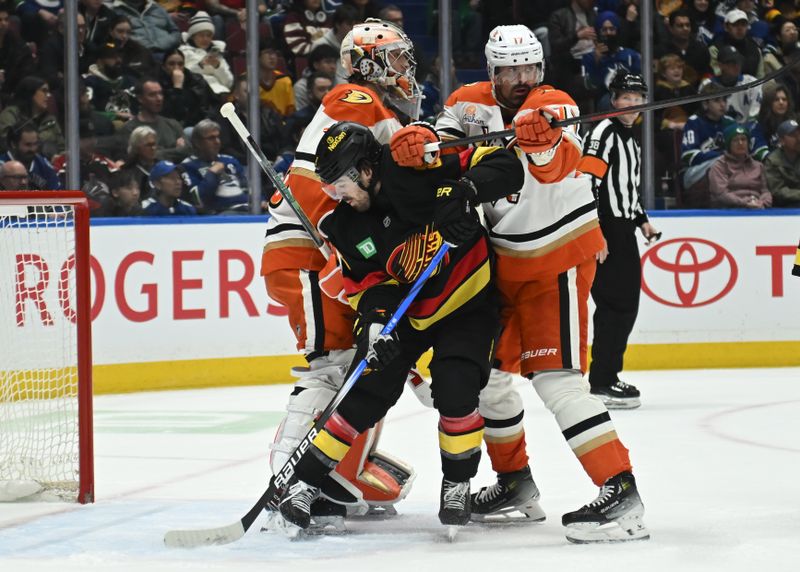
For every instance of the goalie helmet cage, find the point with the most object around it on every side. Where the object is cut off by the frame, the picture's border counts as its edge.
(46, 443)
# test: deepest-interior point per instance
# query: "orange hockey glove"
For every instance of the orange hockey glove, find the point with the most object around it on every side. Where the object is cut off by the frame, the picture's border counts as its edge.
(330, 280)
(408, 145)
(534, 132)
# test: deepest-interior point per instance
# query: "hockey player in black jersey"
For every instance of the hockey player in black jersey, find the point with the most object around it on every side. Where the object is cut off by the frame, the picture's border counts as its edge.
(389, 223)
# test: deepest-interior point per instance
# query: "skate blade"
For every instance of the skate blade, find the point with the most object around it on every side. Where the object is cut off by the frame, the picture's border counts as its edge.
(592, 533)
(452, 532)
(320, 526)
(378, 512)
(617, 403)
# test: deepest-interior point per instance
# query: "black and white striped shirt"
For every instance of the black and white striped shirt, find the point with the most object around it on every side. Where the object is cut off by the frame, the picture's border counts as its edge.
(611, 155)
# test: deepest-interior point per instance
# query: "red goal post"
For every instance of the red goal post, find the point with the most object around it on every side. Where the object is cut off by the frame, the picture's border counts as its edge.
(46, 431)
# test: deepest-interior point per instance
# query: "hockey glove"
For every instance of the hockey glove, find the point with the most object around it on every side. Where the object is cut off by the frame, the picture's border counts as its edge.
(455, 217)
(408, 145)
(330, 280)
(534, 132)
(380, 350)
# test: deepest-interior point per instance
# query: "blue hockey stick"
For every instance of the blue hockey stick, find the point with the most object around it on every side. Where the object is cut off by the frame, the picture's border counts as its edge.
(233, 532)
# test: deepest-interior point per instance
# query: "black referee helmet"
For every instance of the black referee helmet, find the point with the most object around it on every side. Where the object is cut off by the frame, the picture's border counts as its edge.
(625, 81)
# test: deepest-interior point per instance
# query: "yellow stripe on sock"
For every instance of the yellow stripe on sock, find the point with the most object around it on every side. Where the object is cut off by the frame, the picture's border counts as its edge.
(330, 446)
(456, 444)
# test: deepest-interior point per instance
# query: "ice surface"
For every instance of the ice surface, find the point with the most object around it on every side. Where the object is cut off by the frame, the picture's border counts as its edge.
(716, 455)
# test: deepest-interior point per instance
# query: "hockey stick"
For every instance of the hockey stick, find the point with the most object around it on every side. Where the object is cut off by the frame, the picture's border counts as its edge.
(233, 532)
(228, 111)
(600, 115)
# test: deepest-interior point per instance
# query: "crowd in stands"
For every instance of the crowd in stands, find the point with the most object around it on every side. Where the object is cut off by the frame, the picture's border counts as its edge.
(155, 72)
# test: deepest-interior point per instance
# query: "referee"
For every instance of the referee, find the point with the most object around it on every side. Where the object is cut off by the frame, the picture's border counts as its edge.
(612, 157)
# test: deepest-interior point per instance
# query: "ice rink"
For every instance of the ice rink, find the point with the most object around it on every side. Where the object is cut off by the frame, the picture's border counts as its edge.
(716, 454)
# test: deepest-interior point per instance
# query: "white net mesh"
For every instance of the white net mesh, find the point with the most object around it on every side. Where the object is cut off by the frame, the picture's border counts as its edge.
(38, 353)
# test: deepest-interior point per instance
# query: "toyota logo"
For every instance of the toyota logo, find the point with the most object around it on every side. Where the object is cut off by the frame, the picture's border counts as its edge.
(689, 272)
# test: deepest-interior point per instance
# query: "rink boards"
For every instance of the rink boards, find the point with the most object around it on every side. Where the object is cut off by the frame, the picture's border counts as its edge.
(180, 302)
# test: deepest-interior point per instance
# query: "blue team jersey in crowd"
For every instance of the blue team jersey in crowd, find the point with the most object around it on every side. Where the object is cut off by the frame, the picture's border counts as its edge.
(151, 207)
(42, 175)
(702, 139)
(217, 193)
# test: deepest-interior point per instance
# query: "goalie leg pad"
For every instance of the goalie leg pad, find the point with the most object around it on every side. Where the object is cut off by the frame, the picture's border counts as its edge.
(584, 422)
(501, 407)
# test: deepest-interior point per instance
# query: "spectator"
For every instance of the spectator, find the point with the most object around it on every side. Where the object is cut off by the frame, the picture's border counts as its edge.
(95, 169)
(204, 55)
(271, 128)
(320, 84)
(572, 35)
(305, 22)
(111, 87)
(705, 22)
(217, 183)
(321, 60)
(137, 61)
(124, 196)
(432, 103)
(31, 105)
(152, 26)
(693, 52)
(737, 180)
(365, 8)
(700, 146)
(223, 11)
(23, 146)
(13, 176)
(168, 184)
(782, 167)
(275, 87)
(151, 103)
(344, 18)
(16, 60)
(630, 25)
(187, 97)
(51, 53)
(785, 32)
(735, 35)
(669, 85)
(776, 107)
(744, 105)
(142, 151)
(97, 17)
(38, 18)
(608, 58)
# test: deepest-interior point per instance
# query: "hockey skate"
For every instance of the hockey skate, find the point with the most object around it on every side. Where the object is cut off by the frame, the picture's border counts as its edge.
(618, 395)
(513, 498)
(614, 516)
(295, 504)
(454, 506)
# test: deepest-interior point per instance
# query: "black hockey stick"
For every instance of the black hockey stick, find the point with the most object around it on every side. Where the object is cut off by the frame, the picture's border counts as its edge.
(233, 532)
(229, 112)
(600, 115)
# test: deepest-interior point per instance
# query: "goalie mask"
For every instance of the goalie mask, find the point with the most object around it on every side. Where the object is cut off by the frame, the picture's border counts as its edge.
(514, 51)
(380, 53)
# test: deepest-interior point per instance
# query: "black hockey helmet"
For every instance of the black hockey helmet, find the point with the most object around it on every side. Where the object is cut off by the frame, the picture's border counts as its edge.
(625, 81)
(343, 147)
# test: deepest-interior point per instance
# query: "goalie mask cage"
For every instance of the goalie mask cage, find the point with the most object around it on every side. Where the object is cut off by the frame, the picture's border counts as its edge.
(46, 450)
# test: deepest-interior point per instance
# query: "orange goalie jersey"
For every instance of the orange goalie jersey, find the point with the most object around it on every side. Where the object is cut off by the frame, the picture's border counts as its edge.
(288, 245)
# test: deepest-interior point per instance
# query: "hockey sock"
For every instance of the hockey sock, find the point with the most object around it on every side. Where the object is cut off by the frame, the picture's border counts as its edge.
(460, 445)
(507, 451)
(333, 442)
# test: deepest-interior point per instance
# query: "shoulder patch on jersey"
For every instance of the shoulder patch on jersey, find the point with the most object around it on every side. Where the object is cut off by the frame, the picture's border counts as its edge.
(355, 96)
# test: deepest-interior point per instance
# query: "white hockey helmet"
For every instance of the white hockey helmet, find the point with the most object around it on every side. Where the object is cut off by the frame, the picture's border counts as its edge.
(513, 46)
(370, 51)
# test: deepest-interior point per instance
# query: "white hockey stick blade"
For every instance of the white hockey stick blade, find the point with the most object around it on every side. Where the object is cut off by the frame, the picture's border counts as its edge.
(204, 537)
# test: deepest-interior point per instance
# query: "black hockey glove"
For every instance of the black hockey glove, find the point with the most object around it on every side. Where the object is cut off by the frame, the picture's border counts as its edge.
(455, 217)
(380, 350)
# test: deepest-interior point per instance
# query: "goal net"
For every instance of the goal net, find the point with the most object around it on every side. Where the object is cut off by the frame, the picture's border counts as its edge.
(45, 348)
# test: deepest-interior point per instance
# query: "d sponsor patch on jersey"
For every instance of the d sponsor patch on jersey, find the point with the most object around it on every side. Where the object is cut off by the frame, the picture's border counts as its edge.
(367, 248)
(355, 96)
